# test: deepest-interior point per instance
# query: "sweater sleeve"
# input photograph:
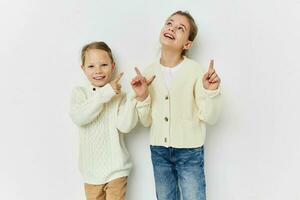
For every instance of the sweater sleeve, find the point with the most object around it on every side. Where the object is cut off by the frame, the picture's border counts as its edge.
(84, 110)
(127, 115)
(144, 111)
(208, 102)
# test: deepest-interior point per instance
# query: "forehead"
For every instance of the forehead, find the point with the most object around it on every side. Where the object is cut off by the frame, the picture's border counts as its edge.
(180, 19)
(93, 55)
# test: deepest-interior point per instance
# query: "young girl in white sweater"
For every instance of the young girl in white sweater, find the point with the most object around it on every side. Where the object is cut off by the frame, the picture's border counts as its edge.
(184, 98)
(102, 112)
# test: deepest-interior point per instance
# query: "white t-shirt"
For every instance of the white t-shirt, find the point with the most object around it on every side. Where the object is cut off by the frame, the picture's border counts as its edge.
(169, 73)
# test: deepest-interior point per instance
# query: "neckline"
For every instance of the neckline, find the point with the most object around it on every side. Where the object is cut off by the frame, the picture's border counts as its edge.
(168, 67)
(172, 69)
(93, 88)
(175, 77)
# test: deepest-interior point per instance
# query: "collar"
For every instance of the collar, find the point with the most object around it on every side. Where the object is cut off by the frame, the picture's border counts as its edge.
(172, 69)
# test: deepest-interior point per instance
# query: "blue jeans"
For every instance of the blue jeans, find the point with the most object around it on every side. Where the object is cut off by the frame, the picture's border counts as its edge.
(178, 171)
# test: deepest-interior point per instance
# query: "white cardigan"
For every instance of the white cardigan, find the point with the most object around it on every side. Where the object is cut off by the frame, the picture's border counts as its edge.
(178, 116)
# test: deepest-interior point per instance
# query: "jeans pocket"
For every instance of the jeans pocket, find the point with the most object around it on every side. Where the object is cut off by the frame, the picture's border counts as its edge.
(191, 156)
(195, 150)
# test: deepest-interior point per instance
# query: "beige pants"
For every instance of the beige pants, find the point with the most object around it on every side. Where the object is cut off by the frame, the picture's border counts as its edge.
(113, 190)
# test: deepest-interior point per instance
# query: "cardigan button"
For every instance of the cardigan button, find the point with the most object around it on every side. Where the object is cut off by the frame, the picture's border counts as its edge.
(166, 119)
(94, 89)
(166, 98)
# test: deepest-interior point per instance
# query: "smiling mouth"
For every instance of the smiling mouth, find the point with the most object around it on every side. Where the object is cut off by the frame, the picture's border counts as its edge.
(167, 35)
(99, 78)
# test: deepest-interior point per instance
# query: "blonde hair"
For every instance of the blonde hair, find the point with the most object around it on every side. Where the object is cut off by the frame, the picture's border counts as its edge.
(96, 45)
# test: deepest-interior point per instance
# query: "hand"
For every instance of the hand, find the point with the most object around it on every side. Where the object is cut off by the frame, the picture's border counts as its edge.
(115, 83)
(211, 80)
(140, 85)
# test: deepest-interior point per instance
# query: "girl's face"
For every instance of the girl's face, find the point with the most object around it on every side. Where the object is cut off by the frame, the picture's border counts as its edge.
(175, 33)
(98, 67)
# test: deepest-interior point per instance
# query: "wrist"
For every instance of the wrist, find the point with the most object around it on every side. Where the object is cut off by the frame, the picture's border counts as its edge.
(142, 97)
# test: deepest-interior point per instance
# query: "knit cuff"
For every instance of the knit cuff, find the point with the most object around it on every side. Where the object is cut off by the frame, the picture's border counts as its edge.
(146, 102)
(212, 93)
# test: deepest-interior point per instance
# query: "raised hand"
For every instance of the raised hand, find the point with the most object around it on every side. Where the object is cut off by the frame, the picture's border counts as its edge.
(211, 80)
(140, 85)
(115, 83)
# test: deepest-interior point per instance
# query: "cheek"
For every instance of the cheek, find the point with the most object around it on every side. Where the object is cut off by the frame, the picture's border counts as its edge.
(182, 38)
(108, 71)
(162, 32)
(160, 35)
(88, 72)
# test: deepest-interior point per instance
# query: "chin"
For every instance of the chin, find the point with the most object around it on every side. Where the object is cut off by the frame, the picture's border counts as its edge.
(166, 42)
(100, 84)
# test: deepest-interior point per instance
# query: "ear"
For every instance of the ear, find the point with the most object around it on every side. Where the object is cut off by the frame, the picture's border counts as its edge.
(113, 67)
(82, 67)
(188, 45)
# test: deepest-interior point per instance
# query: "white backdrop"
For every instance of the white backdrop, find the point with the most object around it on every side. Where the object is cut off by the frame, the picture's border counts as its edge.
(251, 154)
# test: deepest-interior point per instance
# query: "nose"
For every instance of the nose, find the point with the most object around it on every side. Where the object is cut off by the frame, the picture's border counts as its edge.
(98, 69)
(171, 28)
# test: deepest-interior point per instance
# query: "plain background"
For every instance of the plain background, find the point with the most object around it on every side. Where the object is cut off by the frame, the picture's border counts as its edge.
(251, 154)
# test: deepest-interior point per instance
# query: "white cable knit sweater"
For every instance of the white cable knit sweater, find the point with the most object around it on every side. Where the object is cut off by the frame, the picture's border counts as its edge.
(100, 114)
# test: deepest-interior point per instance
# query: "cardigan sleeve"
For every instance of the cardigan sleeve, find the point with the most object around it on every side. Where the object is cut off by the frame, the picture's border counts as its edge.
(84, 110)
(144, 111)
(144, 107)
(208, 103)
(127, 115)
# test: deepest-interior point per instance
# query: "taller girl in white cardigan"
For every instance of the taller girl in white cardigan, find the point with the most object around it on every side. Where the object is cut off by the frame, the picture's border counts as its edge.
(184, 98)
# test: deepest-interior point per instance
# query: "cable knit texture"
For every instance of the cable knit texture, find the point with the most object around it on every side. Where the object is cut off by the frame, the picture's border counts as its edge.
(102, 118)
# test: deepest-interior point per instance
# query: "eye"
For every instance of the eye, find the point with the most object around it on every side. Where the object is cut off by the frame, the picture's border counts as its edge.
(168, 23)
(90, 66)
(104, 65)
(181, 28)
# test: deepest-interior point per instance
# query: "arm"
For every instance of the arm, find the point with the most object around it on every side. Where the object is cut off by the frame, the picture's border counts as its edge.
(83, 110)
(207, 95)
(127, 117)
(141, 86)
(208, 102)
(144, 111)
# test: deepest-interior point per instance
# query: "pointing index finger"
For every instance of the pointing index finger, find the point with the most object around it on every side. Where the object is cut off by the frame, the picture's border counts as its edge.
(211, 64)
(137, 71)
(150, 80)
(117, 79)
